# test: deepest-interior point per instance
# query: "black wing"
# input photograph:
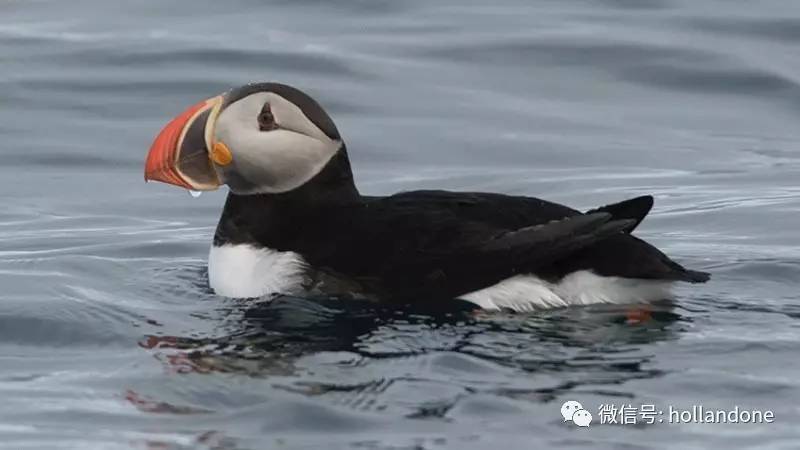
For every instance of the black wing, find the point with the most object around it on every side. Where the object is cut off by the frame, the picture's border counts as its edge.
(439, 248)
(622, 255)
(498, 210)
(512, 211)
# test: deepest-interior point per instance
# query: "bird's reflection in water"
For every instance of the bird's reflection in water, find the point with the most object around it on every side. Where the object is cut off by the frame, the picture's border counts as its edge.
(538, 357)
(547, 354)
(587, 349)
(266, 338)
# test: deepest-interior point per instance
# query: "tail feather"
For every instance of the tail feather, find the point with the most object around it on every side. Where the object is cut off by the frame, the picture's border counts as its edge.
(634, 209)
(696, 276)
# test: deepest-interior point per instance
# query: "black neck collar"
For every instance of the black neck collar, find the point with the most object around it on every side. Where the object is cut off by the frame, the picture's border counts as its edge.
(263, 219)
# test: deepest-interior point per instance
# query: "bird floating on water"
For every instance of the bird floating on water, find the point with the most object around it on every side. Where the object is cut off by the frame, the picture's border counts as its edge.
(294, 221)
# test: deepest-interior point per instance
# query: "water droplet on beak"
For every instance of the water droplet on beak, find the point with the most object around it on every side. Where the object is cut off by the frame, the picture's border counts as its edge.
(195, 194)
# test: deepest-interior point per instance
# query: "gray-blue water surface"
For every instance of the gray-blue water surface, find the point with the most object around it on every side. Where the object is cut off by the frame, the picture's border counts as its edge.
(110, 337)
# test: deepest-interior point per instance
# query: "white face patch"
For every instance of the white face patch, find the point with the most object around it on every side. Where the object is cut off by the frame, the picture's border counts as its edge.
(273, 161)
(529, 293)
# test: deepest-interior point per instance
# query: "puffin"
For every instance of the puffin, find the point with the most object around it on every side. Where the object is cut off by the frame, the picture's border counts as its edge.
(294, 222)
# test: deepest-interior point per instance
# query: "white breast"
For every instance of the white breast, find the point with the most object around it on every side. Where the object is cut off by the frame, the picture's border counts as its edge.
(243, 271)
(528, 292)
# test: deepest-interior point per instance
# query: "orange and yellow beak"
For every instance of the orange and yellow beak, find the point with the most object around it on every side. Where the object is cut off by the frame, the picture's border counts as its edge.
(181, 154)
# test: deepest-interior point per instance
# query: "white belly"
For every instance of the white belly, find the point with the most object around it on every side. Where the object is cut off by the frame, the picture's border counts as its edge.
(243, 271)
(528, 292)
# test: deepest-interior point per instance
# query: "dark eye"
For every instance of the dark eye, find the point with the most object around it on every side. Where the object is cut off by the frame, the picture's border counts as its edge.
(266, 121)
